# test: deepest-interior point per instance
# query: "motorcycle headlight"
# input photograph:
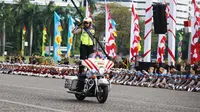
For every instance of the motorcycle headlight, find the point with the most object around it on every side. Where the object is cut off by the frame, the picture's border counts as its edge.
(101, 71)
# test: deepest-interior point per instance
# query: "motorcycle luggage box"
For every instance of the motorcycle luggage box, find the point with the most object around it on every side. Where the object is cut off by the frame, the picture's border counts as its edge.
(71, 82)
(74, 83)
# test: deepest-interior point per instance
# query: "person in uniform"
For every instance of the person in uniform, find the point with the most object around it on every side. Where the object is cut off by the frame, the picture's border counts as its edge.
(87, 42)
(86, 47)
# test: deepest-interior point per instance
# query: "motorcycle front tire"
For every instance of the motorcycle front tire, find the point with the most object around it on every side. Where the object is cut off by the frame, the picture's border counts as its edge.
(102, 97)
(79, 97)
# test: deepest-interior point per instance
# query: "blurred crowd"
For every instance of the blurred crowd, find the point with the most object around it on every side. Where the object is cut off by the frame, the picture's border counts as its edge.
(182, 76)
(38, 70)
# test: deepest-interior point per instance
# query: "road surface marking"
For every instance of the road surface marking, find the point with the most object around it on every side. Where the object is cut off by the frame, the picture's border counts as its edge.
(34, 106)
(29, 87)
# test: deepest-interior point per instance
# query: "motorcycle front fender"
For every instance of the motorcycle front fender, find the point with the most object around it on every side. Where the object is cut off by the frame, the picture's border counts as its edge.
(103, 82)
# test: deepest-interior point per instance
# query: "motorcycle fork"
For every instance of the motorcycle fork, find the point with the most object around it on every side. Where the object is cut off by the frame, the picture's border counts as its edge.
(96, 89)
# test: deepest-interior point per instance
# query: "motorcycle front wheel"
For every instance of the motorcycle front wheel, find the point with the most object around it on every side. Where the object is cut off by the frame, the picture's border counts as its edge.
(103, 94)
(79, 97)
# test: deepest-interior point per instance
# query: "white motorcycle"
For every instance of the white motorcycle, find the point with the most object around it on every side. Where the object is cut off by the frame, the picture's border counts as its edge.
(96, 83)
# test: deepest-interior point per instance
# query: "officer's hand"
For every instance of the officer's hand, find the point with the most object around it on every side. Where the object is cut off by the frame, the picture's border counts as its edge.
(75, 28)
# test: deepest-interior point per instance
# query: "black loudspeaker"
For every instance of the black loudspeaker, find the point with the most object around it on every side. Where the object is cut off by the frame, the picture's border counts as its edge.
(159, 18)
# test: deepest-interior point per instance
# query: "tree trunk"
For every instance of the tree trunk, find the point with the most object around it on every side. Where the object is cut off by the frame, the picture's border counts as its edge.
(31, 38)
(49, 45)
(4, 38)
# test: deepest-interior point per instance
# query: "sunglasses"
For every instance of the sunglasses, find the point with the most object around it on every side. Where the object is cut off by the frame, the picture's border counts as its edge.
(86, 23)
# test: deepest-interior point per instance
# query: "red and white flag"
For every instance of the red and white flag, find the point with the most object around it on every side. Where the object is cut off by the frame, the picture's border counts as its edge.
(162, 40)
(161, 48)
(88, 11)
(110, 45)
(195, 33)
(172, 32)
(134, 35)
(148, 31)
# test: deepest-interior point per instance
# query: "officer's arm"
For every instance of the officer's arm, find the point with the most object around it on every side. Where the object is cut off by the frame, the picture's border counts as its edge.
(77, 31)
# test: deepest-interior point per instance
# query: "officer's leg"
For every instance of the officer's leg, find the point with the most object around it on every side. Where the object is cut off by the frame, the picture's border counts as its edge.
(90, 50)
(81, 76)
(85, 51)
(83, 56)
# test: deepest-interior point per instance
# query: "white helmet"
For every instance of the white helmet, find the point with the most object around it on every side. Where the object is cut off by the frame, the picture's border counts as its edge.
(87, 20)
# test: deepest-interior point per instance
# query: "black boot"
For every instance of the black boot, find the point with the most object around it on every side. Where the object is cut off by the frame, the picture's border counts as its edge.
(80, 86)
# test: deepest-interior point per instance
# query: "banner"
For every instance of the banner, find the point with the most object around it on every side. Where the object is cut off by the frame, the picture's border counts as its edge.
(23, 40)
(161, 48)
(172, 32)
(57, 37)
(134, 35)
(194, 54)
(110, 45)
(70, 35)
(44, 37)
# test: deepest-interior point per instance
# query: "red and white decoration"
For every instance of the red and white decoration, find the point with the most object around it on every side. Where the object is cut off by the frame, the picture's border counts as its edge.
(162, 40)
(161, 48)
(94, 64)
(194, 51)
(110, 45)
(172, 32)
(148, 31)
(135, 38)
(88, 11)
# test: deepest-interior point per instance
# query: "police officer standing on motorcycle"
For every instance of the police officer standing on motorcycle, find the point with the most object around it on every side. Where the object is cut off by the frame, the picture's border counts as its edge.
(86, 47)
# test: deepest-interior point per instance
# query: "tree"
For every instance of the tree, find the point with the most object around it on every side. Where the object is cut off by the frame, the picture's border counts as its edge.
(32, 14)
(6, 21)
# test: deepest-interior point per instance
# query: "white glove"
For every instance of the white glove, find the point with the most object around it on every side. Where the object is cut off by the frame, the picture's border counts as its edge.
(76, 27)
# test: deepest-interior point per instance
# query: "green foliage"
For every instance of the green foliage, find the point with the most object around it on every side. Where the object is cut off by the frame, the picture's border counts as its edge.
(23, 13)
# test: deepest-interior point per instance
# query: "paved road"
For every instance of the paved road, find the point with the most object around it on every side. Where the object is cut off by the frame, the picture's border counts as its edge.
(33, 94)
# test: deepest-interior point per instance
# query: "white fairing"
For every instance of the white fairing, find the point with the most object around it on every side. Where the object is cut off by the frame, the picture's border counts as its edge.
(95, 64)
(103, 81)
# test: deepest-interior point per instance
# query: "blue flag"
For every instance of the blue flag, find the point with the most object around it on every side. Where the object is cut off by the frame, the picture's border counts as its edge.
(70, 35)
(57, 37)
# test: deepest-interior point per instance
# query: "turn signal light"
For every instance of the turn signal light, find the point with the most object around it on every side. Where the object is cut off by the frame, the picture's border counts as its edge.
(93, 76)
(107, 77)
